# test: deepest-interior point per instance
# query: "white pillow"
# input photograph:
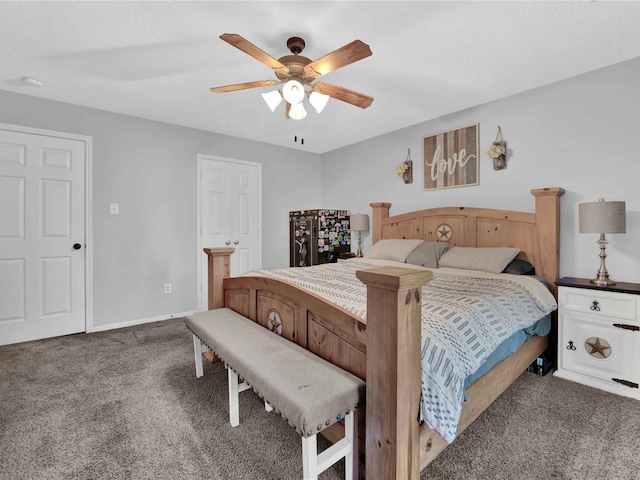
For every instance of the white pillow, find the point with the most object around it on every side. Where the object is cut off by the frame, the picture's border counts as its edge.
(396, 249)
(493, 260)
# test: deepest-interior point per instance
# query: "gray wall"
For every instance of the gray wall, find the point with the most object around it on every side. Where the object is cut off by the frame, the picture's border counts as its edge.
(150, 169)
(580, 134)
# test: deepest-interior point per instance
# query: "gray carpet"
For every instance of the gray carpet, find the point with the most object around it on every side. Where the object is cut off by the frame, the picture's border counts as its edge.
(125, 404)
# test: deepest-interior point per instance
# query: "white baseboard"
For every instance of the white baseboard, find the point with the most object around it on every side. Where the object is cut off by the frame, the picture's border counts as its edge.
(131, 323)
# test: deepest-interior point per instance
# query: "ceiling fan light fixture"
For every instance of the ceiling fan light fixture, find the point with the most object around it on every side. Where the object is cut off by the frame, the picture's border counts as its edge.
(293, 92)
(297, 111)
(272, 99)
(318, 100)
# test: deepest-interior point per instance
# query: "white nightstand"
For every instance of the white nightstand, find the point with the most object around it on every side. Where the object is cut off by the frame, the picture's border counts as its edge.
(599, 335)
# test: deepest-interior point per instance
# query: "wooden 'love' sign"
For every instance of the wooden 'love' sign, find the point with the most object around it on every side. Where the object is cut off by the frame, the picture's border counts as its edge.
(451, 158)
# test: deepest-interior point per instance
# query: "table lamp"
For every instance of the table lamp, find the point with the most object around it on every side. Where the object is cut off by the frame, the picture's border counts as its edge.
(602, 217)
(359, 223)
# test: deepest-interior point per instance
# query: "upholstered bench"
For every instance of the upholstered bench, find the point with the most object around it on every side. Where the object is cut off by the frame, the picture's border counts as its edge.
(306, 390)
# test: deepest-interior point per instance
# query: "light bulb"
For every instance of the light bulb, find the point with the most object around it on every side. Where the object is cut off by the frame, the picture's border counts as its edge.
(297, 111)
(318, 100)
(293, 92)
(273, 99)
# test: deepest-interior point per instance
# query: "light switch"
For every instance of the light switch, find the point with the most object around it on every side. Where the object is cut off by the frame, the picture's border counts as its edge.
(114, 208)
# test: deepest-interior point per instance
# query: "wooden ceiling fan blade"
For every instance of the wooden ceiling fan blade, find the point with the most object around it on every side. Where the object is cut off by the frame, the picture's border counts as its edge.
(352, 52)
(343, 94)
(249, 48)
(244, 86)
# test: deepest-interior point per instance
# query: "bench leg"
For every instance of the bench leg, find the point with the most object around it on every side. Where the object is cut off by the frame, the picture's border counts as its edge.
(351, 434)
(234, 409)
(310, 458)
(347, 448)
(197, 350)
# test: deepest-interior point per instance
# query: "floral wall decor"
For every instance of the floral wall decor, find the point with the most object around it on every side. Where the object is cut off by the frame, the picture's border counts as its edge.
(405, 169)
(451, 158)
(498, 151)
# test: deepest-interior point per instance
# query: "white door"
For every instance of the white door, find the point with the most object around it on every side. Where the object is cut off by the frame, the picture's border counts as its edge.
(42, 236)
(230, 214)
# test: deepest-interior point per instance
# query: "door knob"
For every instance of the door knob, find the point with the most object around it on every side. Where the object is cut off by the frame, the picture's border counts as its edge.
(77, 246)
(228, 242)
(236, 242)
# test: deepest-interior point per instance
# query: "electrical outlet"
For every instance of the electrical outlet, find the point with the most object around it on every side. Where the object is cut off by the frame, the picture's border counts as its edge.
(167, 288)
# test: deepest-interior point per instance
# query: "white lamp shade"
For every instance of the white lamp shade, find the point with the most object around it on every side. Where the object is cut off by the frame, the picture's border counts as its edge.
(318, 100)
(359, 222)
(602, 217)
(293, 92)
(272, 99)
(297, 111)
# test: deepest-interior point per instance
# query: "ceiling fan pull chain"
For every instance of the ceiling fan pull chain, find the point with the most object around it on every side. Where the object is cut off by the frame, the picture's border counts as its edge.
(297, 126)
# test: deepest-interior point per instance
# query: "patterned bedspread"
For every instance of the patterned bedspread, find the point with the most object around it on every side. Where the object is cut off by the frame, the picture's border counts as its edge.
(465, 316)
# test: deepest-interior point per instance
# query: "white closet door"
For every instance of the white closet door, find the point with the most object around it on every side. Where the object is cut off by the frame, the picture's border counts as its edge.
(230, 214)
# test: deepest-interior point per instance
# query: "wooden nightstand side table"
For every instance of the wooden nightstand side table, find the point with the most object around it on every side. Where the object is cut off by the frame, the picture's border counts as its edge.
(599, 335)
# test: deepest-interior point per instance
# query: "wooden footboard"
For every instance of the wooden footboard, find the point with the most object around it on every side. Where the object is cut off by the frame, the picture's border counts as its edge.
(302, 317)
(392, 373)
(385, 350)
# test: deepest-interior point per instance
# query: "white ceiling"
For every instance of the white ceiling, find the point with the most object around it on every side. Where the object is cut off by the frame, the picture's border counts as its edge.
(157, 60)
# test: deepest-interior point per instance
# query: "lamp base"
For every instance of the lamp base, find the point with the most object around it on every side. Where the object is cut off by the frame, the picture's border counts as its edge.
(602, 282)
(602, 277)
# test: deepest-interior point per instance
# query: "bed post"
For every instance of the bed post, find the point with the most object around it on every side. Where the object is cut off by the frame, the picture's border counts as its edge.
(393, 371)
(379, 212)
(219, 264)
(548, 225)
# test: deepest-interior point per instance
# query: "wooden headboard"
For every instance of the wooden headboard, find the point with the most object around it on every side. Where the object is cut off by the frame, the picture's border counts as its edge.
(537, 235)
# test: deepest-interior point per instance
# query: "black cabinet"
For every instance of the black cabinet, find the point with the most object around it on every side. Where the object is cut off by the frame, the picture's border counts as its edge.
(318, 236)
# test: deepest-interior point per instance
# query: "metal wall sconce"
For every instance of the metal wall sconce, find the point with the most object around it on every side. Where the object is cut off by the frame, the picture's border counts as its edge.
(405, 169)
(498, 151)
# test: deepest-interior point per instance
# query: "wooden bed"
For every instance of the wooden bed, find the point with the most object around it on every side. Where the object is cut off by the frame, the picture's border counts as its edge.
(387, 354)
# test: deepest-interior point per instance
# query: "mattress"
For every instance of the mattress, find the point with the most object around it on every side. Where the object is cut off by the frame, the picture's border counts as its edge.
(466, 316)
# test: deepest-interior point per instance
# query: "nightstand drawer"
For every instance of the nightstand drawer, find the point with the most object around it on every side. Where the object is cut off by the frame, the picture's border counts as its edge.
(610, 304)
(596, 349)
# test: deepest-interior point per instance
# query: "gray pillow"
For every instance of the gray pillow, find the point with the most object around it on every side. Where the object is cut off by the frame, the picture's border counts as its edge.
(428, 254)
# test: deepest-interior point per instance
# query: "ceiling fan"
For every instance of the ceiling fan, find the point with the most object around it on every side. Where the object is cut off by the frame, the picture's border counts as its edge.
(297, 74)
